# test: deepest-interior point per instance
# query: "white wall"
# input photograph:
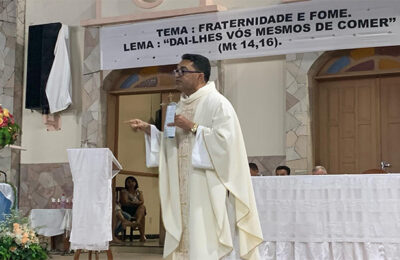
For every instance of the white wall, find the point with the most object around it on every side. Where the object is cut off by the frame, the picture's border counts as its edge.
(50, 147)
(125, 7)
(255, 85)
(241, 4)
(256, 89)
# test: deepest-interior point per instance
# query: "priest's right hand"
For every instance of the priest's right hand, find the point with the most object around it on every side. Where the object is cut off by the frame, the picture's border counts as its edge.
(137, 124)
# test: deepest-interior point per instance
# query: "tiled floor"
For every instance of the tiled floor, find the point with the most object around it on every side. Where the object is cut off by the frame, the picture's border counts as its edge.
(150, 250)
(116, 255)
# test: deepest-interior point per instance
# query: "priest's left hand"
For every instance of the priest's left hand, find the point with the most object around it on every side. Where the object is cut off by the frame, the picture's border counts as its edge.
(182, 122)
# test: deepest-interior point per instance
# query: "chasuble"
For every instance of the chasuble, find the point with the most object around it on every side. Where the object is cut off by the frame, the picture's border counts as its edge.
(196, 174)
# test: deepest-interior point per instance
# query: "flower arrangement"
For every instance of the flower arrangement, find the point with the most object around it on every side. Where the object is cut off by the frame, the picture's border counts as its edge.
(18, 241)
(8, 128)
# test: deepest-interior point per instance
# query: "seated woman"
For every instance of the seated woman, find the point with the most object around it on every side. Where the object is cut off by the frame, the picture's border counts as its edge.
(132, 203)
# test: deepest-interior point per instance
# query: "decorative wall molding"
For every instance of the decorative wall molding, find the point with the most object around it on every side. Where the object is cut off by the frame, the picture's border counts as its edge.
(299, 156)
(12, 35)
(146, 4)
(205, 6)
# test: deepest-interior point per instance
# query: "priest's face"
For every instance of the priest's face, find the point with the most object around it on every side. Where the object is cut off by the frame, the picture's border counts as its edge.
(187, 78)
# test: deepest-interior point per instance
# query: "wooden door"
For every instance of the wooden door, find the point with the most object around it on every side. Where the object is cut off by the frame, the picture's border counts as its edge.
(390, 122)
(347, 129)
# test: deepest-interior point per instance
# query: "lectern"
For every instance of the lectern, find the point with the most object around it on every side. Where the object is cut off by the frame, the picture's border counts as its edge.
(92, 173)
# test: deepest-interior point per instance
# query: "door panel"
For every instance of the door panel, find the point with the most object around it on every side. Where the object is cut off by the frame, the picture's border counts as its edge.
(390, 127)
(348, 125)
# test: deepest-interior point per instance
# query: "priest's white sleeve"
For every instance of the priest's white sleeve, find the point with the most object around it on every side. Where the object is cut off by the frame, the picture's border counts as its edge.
(200, 157)
(152, 147)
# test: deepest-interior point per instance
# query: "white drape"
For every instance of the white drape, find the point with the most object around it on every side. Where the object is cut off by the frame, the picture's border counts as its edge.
(59, 83)
(92, 173)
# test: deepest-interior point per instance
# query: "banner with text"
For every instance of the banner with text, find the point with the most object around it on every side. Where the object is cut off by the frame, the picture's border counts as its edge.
(287, 28)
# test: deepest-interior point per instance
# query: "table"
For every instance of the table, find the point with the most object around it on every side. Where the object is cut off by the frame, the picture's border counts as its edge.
(51, 222)
(328, 217)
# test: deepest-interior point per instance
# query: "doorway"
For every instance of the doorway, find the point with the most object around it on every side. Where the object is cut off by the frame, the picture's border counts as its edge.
(138, 93)
(357, 114)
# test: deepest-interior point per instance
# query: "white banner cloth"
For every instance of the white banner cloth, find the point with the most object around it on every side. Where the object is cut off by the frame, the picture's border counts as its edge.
(50, 222)
(288, 28)
(92, 173)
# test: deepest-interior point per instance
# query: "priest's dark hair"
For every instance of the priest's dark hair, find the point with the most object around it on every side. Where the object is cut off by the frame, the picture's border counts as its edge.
(200, 63)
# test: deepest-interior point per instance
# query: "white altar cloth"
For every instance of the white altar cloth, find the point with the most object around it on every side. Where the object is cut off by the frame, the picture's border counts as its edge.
(335, 208)
(329, 217)
(51, 222)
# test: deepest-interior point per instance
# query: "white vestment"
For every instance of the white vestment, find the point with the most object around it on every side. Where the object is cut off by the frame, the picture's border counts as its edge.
(92, 174)
(196, 171)
(58, 87)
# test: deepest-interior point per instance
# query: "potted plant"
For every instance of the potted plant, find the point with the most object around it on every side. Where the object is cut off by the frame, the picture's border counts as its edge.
(8, 128)
(18, 241)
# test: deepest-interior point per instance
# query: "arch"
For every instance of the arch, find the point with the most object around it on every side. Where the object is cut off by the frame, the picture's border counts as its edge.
(378, 60)
(131, 81)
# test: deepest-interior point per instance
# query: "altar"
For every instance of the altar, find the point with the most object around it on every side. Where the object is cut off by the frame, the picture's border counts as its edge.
(51, 222)
(328, 216)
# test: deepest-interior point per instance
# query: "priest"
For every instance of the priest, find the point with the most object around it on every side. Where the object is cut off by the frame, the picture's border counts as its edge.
(204, 164)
